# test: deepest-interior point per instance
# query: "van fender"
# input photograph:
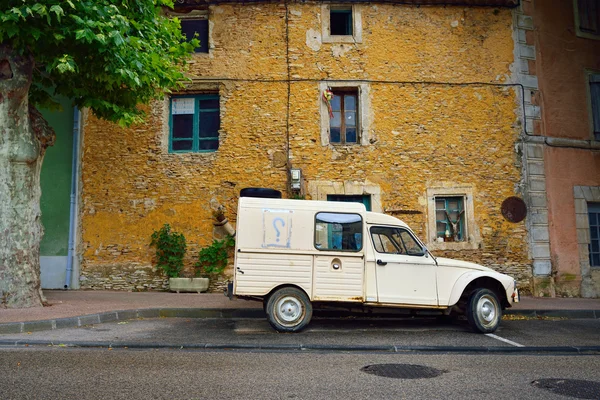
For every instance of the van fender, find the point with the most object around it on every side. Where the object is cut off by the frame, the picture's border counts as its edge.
(463, 281)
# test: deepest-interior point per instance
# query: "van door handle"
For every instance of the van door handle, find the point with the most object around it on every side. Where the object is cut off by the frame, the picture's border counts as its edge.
(379, 262)
(240, 271)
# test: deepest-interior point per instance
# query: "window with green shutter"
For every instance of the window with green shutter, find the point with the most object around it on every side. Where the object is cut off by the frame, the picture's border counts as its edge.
(194, 123)
(450, 218)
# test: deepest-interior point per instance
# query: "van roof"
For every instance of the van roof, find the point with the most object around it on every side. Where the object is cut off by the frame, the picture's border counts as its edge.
(315, 205)
(383, 219)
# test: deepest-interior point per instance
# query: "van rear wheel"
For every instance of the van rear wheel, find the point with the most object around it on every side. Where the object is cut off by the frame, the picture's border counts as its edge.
(289, 310)
(484, 311)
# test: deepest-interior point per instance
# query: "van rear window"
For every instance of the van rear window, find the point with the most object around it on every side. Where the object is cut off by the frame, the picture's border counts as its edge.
(338, 231)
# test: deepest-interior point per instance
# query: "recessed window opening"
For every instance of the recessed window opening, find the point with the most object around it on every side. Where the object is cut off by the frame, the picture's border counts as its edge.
(450, 218)
(189, 27)
(589, 16)
(344, 119)
(340, 21)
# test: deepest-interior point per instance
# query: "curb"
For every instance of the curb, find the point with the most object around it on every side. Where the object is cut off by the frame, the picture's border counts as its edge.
(124, 315)
(572, 350)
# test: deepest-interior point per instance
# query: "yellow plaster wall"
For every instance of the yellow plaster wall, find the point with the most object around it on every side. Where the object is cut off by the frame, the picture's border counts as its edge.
(423, 134)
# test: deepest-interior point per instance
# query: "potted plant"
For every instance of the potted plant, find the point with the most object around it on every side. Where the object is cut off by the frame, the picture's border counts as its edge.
(170, 251)
(212, 260)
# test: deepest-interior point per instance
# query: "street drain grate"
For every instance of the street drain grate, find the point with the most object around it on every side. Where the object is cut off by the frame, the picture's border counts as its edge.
(402, 371)
(577, 388)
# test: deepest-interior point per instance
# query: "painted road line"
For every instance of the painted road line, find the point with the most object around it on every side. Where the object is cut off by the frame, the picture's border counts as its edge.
(504, 340)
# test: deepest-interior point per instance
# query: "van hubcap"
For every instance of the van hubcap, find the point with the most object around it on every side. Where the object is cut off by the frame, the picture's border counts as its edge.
(289, 309)
(487, 309)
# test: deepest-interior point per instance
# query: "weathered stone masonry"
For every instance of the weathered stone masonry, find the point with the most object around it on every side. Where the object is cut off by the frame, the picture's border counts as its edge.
(441, 114)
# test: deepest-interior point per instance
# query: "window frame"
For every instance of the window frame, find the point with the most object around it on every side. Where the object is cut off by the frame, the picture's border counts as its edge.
(577, 17)
(198, 50)
(342, 92)
(472, 238)
(363, 123)
(195, 15)
(463, 231)
(594, 208)
(362, 231)
(327, 37)
(195, 124)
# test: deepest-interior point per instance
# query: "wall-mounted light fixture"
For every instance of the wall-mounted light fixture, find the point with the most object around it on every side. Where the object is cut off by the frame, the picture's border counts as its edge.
(296, 178)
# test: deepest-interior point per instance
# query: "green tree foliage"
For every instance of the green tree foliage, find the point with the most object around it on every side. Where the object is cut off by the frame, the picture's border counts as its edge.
(107, 55)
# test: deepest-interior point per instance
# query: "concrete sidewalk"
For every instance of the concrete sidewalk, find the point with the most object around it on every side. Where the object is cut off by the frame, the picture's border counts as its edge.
(77, 308)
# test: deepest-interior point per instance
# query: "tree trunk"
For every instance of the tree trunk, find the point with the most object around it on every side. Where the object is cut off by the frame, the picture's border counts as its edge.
(24, 136)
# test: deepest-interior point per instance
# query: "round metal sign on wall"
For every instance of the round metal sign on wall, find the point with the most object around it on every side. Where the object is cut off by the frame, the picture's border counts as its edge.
(514, 209)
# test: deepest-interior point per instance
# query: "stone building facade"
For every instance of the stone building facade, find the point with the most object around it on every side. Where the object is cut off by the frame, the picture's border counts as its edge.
(427, 119)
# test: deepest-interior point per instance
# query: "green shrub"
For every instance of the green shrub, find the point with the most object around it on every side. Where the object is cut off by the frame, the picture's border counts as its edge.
(170, 250)
(213, 259)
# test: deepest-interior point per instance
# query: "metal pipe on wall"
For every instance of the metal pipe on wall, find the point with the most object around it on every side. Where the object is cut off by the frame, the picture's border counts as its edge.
(73, 203)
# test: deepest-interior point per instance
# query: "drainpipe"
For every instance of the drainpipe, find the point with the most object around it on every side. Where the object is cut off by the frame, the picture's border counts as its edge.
(73, 204)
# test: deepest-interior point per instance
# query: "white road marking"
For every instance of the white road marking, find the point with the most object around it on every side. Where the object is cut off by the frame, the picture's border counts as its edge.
(504, 340)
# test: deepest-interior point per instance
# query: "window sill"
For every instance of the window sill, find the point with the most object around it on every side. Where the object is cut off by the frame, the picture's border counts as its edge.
(455, 246)
(341, 39)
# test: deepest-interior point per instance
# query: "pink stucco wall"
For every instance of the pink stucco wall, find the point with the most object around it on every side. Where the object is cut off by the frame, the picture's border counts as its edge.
(562, 62)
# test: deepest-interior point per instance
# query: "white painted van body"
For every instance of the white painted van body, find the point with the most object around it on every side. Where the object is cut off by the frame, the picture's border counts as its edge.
(279, 243)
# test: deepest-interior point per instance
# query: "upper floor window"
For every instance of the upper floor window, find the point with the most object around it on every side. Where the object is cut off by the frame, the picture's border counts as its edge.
(340, 20)
(194, 123)
(341, 23)
(595, 103)
(191, 27)
(343, 121)
(587, 18)
(338, 231)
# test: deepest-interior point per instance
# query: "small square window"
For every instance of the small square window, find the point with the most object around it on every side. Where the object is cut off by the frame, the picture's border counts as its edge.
(343, 121)
(191, 27)
(340, 21)
(587, 18)
(194, 123)
(595, 103)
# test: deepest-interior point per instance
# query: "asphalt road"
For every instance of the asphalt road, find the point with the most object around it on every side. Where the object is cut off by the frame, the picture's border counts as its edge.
(402, 333)
(70, 373)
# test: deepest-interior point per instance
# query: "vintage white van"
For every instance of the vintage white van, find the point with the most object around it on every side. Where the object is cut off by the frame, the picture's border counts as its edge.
(293, 253)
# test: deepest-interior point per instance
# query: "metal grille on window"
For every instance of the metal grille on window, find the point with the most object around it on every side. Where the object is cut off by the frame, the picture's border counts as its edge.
(594, 246)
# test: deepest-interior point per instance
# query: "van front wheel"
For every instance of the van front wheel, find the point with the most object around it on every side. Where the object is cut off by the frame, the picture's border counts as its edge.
(289, 310)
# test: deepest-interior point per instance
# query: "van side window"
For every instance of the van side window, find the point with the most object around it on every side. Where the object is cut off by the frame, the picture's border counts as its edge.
(338, 232)
(395, 241)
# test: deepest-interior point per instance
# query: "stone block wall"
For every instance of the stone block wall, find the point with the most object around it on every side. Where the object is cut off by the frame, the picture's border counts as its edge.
(441, 112)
